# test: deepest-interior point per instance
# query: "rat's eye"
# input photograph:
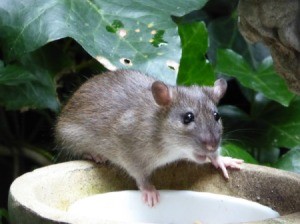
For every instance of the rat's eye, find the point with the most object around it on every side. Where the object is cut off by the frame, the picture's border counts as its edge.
(217, 116)
(188, 118)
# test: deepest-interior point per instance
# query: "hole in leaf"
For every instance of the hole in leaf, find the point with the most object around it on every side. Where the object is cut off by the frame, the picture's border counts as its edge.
(158, 40)
(173, 65)
(122, 33)
(150, 25)
(126, 61)
(115, 26)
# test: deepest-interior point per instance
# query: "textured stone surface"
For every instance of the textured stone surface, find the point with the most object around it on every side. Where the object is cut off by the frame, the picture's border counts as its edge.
(277, 24)
(44, 195)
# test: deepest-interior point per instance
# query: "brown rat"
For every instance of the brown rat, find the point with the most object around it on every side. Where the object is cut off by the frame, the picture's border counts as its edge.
(140, 124)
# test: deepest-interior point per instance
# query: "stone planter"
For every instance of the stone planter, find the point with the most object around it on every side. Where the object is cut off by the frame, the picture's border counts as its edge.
(44, 195)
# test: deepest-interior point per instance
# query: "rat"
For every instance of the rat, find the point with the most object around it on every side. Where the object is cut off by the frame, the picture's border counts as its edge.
(139, 124)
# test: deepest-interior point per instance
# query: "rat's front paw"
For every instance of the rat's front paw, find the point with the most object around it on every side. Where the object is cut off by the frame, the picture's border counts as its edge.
(224, 162)
(150, 195)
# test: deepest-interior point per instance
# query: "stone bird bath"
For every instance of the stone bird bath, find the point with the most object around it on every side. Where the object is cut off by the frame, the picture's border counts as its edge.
(44, 195)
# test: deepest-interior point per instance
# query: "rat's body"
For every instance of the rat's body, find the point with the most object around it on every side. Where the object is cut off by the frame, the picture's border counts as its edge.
(141, 124)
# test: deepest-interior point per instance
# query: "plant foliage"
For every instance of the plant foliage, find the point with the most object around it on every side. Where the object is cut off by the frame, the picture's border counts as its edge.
(48, 48)
(110, 31)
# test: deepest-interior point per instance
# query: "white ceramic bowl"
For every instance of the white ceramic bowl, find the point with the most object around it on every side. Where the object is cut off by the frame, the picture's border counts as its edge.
(176, 207)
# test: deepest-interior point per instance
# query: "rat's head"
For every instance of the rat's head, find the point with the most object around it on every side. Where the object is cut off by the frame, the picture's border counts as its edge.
(189, 117)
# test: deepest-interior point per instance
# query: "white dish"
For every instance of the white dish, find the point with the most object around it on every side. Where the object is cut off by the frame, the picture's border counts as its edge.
(176, 207)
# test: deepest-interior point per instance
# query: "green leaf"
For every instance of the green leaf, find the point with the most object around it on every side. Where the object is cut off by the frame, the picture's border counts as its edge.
(28, 95)
(235, 151)
(3, 215)
(120, 34)
(13, 75)
(233, 112)
(290, 161)
(30, 84)
(264, 79)
(194, 67)
(283, 124)
(224, 33)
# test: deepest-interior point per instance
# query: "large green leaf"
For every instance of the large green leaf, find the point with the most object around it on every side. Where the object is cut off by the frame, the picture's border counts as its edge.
(284, 124)
(3, 215)
(290, 161)
(194, 67)
(120, 34)
(235, 151)
(224, 33)
(30, 84)
(29, 94)
(264, 79)
(13, 75)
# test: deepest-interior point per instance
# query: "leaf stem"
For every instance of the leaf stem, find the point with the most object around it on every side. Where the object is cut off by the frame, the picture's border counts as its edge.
(16, 159)
(34, 154)
(73, 68)
(5, 128)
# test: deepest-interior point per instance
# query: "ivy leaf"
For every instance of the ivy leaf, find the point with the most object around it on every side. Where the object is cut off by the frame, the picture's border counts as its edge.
(3, 215)
(264, 79)
(22, 89)
(119, 34)
(30, 84)
(283, 124)
(194, 67)
(224, 33)
(13, 75)
(28, 95)
(235, 151)
(290, 161)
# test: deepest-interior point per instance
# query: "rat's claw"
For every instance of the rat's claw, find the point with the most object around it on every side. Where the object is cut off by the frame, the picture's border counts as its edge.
(224, 162)
(150, 196)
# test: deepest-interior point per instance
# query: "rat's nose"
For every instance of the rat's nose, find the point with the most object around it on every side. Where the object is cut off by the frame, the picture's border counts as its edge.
(210, 147)
(209, 141)
(210, 144)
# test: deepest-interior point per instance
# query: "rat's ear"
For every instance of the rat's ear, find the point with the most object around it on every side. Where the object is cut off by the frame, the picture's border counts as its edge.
(219, 89)
(161, 93)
